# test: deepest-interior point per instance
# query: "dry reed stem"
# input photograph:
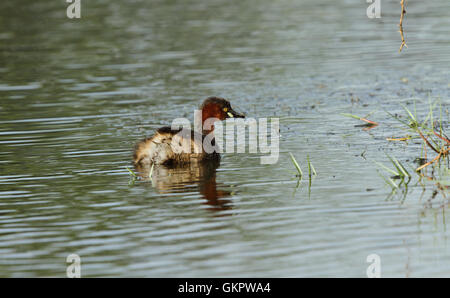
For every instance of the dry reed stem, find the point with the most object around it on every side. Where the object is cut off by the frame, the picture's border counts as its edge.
(441, 153)
(368, 121)
(398, 139)
(442, 138)
(426, 141)
(400, 25)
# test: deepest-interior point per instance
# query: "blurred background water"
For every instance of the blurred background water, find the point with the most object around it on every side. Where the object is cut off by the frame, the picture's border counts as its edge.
(76, 94)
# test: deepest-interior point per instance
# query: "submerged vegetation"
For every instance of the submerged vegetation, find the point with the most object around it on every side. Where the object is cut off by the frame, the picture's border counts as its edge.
(311, 169)
(297, 166)
(399, 172)
(134, 177)
(438, 141)
(433, 155)
(311, 172)
(369, 124)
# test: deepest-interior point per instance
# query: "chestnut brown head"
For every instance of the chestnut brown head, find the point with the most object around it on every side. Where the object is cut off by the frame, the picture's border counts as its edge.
(220, 108)
(216, 108)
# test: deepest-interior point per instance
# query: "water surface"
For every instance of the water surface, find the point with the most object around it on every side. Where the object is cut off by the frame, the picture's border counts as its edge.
(75, 96)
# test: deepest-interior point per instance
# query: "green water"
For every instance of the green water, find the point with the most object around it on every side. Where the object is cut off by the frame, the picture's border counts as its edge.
(75, 96)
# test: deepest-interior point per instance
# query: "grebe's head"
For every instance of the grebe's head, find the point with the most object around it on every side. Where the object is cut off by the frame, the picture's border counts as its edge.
(216, 107)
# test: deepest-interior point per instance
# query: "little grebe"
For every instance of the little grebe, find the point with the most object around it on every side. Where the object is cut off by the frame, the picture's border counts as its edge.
(159, 149)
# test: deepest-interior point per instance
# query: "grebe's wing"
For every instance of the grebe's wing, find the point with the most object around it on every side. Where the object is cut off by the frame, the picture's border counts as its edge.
(168, 145)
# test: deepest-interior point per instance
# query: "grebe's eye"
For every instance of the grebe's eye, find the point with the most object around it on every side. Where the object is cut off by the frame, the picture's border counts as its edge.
(225, 110)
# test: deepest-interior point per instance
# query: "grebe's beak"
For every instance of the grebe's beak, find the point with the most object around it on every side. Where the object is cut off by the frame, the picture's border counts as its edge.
(233, 114)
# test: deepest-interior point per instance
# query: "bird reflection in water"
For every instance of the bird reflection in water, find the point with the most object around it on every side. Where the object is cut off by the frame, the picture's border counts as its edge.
(180, 178)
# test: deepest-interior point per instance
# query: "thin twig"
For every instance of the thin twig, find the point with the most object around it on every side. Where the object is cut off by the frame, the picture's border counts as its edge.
(368, 121)
(428, 163)
(400, 25)
(426, 141)
(399, 139)
(441, 153)
(441, 137)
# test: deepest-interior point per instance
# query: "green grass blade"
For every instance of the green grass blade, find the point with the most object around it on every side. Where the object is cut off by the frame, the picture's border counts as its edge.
(131, 172)
(151, 172)
(311, 169)
(402, 168)
(297, 166)
(410, 114)
(350, 115)
(398, 119)
(388, 181)
(386, 168)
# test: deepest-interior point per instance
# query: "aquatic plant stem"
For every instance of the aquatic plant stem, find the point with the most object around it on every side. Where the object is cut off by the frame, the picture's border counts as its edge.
(441, 153)
(297, 166)
(360, 118)
(400, 25)
(441, 137)
(150, 174)
(426, 141)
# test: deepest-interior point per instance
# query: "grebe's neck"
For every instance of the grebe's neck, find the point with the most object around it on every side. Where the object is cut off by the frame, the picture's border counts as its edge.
(208, 119)
(207, 126)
